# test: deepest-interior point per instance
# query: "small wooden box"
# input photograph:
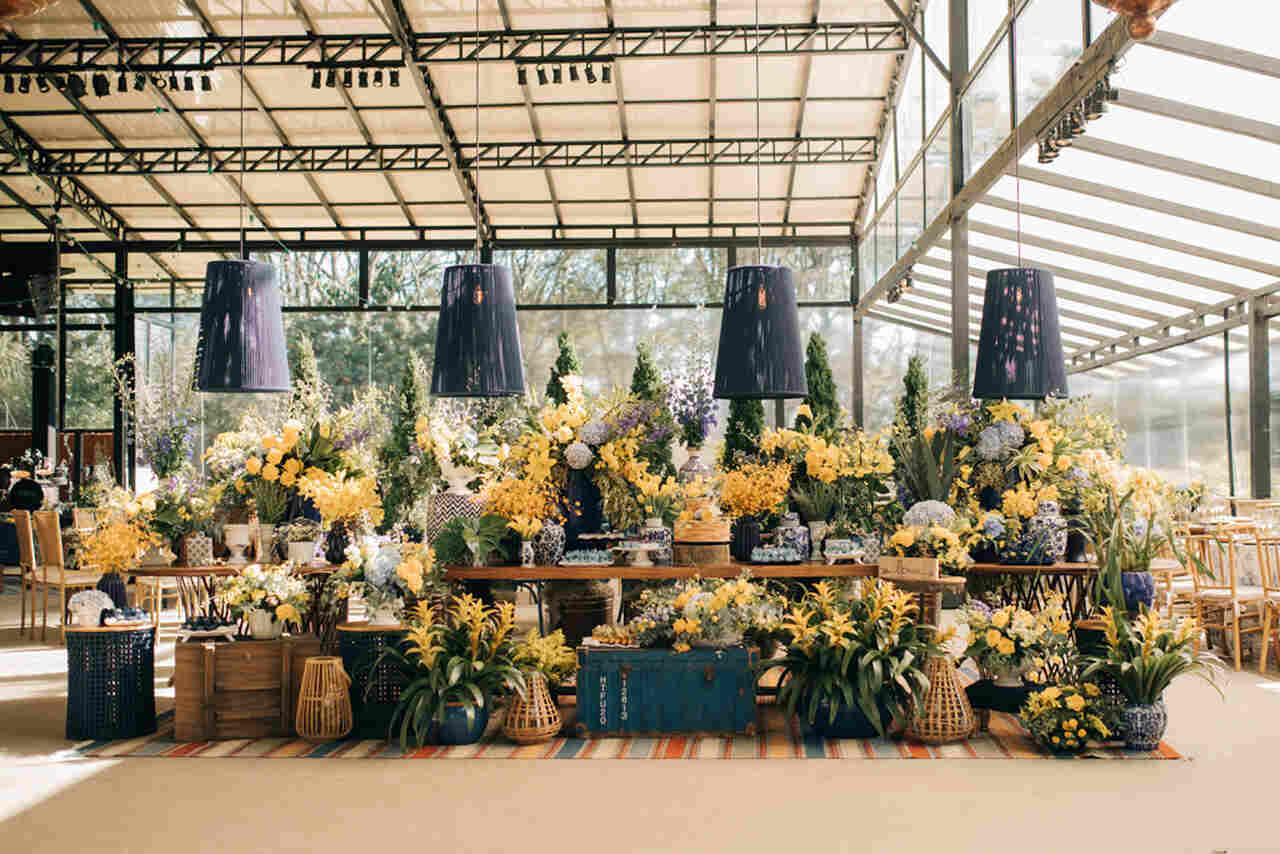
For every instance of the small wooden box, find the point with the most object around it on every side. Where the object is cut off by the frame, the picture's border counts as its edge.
(700, 554)
(246, 689)
(908, 567)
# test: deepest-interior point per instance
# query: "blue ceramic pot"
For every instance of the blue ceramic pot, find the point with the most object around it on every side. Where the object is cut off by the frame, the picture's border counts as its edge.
(1139, 590)
(463, 724)
(850, 722)
(1144, 726)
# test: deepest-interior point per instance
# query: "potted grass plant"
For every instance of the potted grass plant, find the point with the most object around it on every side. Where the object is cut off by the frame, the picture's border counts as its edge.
(456, 660)
(853, 667)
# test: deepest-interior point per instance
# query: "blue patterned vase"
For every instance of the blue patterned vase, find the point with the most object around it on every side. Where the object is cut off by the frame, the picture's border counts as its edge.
(792, 533)
(1144, 726)
(1043, 541)
(1139, 590)
(548, 544)
(656, 532)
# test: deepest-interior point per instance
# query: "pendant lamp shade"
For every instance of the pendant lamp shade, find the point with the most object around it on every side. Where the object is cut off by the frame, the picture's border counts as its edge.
(241, 330)
(760, 354)
(477, 339)
(1020, 348)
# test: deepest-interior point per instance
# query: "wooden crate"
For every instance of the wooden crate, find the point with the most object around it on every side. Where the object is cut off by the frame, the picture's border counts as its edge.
(700, 554)
(246, 689)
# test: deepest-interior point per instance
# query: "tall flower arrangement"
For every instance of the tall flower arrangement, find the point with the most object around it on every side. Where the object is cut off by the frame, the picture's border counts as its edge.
(690, 396)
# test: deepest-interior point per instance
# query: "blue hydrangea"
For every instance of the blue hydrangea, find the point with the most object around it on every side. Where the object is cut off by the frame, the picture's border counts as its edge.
(594, 433)
(993, 527)
(928, 513)
(957, 422)
(381, 571)
(578, 455)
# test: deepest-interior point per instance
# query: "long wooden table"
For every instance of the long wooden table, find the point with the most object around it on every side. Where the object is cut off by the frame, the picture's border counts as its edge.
(197, 584)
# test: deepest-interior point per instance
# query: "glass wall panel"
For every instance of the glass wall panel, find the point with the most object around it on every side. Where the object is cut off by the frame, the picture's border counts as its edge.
(887, 348)
(411, 278)
(692, 275)
(888, 177)
(821, 273)
(911, 113)
(558, 276)
(937, 175)
(89, 380)
(911, 209)
(316, 278)
(986, 108)
(1048, 37)
(985, 17)
(15, 380)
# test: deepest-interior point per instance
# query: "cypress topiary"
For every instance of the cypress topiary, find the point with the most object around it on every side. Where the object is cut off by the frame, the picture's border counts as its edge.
(913, 406)
(822, 389)
(398, 487)
(645, 382)
(742, 435)
(567, 364)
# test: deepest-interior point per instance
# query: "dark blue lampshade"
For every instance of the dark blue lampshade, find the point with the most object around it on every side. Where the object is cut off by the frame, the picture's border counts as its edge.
(761, 354)
(477, 339)
(1020, 348)
(241, 330)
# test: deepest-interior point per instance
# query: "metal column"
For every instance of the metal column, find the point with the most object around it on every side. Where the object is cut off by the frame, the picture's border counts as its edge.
(1259, 400)
(124, 449)
(959, 62)
(855, 342)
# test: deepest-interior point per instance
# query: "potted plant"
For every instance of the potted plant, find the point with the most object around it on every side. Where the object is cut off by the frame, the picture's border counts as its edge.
(385, 575)
(300, 537)
(1004, 642)
(545, 661)
(265, 599)
(691, 398)
(1143, 656)
(348, 503)
(1064, 718)
(183, 515)
(456, 661)
(119, 540)
(698, 612)
(853, 667)
(748, 493)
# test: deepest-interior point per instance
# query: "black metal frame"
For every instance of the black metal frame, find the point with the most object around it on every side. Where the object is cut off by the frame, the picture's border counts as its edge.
(164, 54)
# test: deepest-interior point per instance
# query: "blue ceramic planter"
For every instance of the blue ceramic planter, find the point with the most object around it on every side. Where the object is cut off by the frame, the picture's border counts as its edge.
(1144, 726)
(463, 724)
(1139, 590)
(850, 722)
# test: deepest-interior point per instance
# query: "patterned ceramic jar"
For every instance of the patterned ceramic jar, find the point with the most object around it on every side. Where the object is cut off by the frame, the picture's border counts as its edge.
(548, 545)
(792, 533)
(1144, 726)
(656, 532)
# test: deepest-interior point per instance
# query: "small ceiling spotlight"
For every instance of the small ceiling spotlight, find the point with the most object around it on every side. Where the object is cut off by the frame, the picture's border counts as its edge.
(42, 84)
(206, 84)
(347, 78)
(122, 82)
(1076, 121)
(377, 78)
(8, 84)
(557, 76)
(1047, 153)
(24, 84)
(606, 73)
(75, 84)
(188, 84)
(573, 74)
(395, 77)
(591, 74)
(362, 79)
(101, 84)
(542, 76)
(173, 82)
(315, 79)
(331, 79)
(139, 82)
(522, 76)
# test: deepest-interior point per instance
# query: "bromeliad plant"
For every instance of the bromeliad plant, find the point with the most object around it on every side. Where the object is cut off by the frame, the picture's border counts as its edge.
(1146, 654)
(548, 655)
(866, 653)
(464, 654)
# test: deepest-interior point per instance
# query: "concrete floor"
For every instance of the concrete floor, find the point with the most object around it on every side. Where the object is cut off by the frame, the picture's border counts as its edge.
(53, 801)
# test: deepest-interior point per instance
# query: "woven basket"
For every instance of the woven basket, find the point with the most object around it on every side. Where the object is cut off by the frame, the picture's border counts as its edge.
(945, 715)
(324, 703)
(536, 718)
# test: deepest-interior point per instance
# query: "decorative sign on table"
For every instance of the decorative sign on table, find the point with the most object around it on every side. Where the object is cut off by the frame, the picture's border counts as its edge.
(908, 567)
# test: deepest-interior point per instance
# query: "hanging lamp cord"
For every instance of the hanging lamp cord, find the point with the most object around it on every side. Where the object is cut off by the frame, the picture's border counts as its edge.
(759, 226)
(242, 196)
(475, 163)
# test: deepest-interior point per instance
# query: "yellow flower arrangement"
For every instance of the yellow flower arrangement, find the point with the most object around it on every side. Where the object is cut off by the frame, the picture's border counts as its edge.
(755, 488)
(342, 497)
(1065, 717)
(117, 542)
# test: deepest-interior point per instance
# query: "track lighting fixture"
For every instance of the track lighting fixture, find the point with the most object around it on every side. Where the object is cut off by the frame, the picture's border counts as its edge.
(573, 74)
(377, 78)
(139, 82)
(331, 79)
(346, 79)
(42, 84)
(75, 84)
(173, 82)
(122, 82)
(24, 84)
(606, 73)
(362, 79)
(101, 84)
(556, 75)
(188, 84)
(8, 84)
(542, 76)
(315, 79)
(206, 84)
(395, 77)
(522, 76)
(591, 73)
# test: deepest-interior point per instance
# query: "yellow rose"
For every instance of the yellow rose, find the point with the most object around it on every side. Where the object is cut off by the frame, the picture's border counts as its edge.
(993, 638)
(293, 465)
(1051, 693)
(253, 465)
(288, 478)
(270, 472)
(1075, 703)
(274, 456)
(1000, 619)
(287, 613)
(269, 442)
(1005, 647)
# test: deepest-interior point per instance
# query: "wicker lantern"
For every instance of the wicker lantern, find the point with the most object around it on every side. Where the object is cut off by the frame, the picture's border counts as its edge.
(536, 718)
(946, 714)
(1141, 14)
(324, 702)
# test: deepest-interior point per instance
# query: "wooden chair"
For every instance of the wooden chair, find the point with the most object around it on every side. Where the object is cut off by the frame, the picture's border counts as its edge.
(49, 536)
(1222, 593)
(1174, 585)
(84, 518)
(29, 578)
(1270, 549)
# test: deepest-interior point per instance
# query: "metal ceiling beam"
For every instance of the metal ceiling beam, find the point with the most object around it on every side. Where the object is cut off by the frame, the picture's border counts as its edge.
(534, 124)
(1178, 166)
(300, 10)
(1205, 118)
(1096, 62)
(1151, 203)
(806, 76)
(163, 54)
(50, 225)
(1214, 52)
(457, 156)
(1063, 247)
(168, 107)
(1145, 237)
(712, 85)
(451, 149)
(898, 319)
(622, 119)
(919, 39)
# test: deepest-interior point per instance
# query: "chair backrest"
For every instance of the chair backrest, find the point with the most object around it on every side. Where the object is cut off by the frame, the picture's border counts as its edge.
(1269, 554)
(49, 535)
(83, 517)
(1218, 548)
(26, 543)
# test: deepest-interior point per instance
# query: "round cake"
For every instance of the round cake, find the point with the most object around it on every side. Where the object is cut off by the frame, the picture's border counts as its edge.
(705, 524)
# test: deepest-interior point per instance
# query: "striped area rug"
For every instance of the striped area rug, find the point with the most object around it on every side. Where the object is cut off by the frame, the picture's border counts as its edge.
(777, 739)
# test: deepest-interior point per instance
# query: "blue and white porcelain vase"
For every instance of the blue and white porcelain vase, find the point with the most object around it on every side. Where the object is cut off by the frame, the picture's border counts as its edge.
(1043, 541)
(548, 544)
(792, 533)
(659, 534)
(1144, 725)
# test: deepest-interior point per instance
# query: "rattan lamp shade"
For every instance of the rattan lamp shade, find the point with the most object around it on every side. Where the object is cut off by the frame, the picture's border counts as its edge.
(477, 340)
(761, 354)
(242, 345)
(1020, 349)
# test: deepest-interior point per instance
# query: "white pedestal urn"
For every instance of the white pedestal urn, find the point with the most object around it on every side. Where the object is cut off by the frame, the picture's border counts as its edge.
(264, 548)
(456, 501)
(817, 533)
(263, 625)
(236, 537)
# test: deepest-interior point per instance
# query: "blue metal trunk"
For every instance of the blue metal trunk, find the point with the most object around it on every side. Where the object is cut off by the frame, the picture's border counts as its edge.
(659, 691)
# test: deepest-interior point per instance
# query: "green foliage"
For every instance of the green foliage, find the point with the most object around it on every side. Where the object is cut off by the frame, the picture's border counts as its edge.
(567, 364)
(450, 546)
(822, 390)
(742, 435)
(1145, 655)
(927, 467)
(913, 406)
(645, 382)
(400, 478)
(486, 535)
